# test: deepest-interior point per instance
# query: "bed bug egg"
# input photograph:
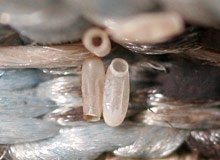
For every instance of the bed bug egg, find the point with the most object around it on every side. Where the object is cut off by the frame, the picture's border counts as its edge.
(93, 76)
(116, 92)
(97, 41)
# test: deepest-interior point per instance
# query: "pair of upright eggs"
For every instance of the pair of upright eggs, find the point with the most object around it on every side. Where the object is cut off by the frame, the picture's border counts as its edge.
(103, 92)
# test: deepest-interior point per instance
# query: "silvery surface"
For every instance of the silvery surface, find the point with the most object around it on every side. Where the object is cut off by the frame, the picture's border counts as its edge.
(84, 141)
(64, 90)
(19, 130)
(206, 142)
(154, 142)
(63, 70)
(66, 116)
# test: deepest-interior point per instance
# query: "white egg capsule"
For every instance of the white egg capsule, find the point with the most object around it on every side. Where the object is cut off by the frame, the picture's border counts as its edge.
(116, 92)
(97, 41)
(147, 28)
(93, 77)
